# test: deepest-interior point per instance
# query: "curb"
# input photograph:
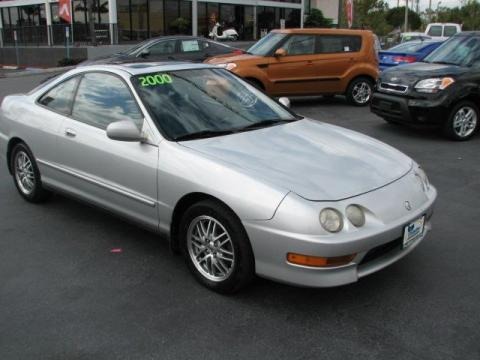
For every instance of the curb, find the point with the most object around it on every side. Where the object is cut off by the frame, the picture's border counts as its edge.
(25, 71)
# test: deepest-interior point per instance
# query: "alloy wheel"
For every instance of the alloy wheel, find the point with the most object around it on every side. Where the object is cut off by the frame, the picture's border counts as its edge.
(361, 92)
(465, 121)
(211, 248)
(24, 173)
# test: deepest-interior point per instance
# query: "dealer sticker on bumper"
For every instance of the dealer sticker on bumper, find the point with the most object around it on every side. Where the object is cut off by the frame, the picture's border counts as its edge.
(413, 231)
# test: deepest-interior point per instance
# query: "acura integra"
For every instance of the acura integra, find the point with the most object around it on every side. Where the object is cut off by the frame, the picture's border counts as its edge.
(240, 183)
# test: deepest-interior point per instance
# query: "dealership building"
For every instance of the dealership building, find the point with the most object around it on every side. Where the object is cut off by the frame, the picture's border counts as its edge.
(36, 22)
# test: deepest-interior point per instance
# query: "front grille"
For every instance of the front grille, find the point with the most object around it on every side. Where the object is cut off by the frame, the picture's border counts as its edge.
(395, 88)
(381, 250)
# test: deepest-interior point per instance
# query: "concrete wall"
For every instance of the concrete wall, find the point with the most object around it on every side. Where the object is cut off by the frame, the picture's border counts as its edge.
(41, 57)
(328, 7)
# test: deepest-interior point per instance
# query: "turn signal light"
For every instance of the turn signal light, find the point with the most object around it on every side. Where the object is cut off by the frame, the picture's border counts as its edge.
(319, 261)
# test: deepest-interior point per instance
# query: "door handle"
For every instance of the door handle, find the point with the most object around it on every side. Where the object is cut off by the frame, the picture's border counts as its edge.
(70, 133)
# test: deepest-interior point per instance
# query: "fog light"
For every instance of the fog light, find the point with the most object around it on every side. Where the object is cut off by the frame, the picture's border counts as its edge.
(319, 261)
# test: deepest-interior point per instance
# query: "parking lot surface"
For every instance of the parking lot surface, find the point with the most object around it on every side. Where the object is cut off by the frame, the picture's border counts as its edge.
(65, 295)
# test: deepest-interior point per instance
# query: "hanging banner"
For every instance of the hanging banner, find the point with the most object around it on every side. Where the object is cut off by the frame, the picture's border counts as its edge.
(349, 12)
(64, 10)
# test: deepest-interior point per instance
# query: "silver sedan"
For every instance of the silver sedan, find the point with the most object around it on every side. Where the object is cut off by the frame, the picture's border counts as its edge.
(239, 183)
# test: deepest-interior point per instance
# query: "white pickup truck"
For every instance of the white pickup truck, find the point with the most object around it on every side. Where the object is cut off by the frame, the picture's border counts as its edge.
(442, 31)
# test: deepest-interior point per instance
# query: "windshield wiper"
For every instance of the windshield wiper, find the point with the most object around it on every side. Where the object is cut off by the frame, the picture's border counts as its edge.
(443, 63)
(203, 134)
(264, 123)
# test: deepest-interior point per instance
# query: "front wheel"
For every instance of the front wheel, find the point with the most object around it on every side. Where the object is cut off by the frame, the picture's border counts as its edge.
(26, 174)
(462, 122)
(360, 91)
(216, 247)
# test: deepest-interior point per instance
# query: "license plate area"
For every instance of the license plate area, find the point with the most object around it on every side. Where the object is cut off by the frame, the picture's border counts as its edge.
(413, 231)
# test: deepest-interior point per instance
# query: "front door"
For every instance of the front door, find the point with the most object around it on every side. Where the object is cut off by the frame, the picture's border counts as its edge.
(296, 72)
(120, 176)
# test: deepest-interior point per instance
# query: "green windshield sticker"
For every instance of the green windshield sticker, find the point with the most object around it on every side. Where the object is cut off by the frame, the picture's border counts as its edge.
(153, 80)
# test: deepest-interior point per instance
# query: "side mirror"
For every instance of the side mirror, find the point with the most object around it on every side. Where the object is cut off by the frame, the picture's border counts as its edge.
(285, 101)
(144, 53)
(124, 130)
(280, 52)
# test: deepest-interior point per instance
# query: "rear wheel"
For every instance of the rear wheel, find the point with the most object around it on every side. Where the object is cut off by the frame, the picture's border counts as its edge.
(216, 247)
(462, 122)
(360, 91)
(26, 174)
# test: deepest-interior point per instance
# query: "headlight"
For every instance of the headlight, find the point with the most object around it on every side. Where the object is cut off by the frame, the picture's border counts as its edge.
(433, 85)
(356, 215)
(423, 178)
(228, 66)
(331, 220)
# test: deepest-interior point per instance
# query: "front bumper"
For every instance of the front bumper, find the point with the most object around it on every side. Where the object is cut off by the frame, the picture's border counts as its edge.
(409, 110)
(375, 247)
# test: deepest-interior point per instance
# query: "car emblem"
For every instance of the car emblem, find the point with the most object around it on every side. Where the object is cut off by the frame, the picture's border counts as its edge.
(408, 206)
(394, 79)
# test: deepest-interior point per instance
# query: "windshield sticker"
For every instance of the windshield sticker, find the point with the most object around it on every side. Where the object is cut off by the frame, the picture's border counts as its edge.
(153, 80)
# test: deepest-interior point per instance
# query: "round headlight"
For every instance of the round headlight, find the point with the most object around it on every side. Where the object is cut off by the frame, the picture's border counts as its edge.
(331, 220)
(356, 215)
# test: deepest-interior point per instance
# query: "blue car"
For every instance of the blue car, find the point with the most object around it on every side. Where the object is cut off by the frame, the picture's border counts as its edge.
(405, 53)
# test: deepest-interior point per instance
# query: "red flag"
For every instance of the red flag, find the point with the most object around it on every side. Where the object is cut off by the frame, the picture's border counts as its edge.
(64, 10)
(349, 12)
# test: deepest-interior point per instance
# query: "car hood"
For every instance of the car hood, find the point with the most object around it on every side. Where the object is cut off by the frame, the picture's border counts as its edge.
(222, 59)
(411, 73)
(315, 160)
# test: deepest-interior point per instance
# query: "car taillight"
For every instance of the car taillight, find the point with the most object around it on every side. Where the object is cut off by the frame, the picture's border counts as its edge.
(404, 59)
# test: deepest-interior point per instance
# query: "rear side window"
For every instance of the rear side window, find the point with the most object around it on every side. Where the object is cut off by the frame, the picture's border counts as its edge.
(163, 47)
(189, 46)
(60, 97)
(435, 30)
(300, 45)
(449, 30)
(338, 43)
(102, 99)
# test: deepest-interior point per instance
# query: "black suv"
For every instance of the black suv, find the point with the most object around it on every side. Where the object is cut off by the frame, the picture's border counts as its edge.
(442, 90)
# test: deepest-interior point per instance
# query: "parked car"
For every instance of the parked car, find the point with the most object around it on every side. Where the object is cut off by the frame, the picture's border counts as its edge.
(412, 36)
(406, 53)
(180, 47)
(196, 153)
(310, 62)
(443, 90)
(442, 31)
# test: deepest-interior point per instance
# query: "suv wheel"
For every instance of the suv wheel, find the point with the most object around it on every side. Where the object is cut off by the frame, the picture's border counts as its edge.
(462, 122)
(216, 247)
(360, 91)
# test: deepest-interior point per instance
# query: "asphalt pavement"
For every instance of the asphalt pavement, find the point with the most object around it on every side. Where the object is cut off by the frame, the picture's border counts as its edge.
(65, 295)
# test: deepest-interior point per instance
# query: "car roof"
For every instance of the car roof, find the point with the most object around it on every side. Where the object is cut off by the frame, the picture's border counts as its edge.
(137, 68)
(322, 31)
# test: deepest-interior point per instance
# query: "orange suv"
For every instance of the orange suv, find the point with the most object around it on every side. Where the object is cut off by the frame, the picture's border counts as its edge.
(297, 62)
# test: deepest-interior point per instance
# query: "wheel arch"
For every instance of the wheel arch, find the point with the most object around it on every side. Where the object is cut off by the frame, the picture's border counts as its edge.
(181, 206)
(11, 144)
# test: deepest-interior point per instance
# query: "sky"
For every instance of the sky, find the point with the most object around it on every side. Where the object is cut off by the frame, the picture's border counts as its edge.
(424, 3)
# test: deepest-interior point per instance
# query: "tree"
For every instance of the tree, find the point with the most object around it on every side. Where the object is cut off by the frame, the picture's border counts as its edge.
(317, 20)
(396, 18)
(370, 14)
(468, 15)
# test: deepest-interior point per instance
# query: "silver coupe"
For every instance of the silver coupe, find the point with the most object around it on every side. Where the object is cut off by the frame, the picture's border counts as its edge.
(239, 183)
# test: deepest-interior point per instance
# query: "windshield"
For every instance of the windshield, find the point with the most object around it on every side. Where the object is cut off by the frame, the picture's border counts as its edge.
(266, 44)
(458, 50)
(207, 102)
(135, 48)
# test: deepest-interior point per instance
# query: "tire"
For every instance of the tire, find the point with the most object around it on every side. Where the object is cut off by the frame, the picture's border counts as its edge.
(463, 121)
(226, 265)
(234, 38)
(360, 91)
(25, 167)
